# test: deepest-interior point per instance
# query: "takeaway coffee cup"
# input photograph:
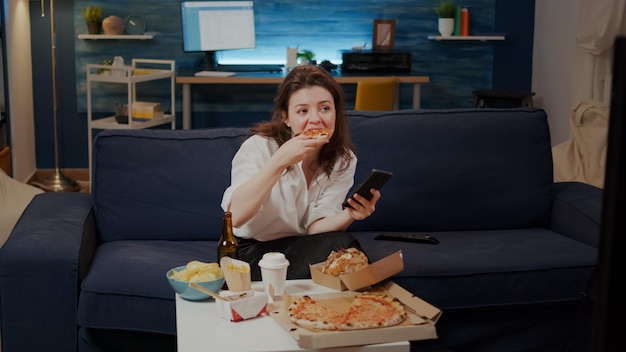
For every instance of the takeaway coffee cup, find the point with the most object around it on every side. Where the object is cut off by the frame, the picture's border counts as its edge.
(274, 272)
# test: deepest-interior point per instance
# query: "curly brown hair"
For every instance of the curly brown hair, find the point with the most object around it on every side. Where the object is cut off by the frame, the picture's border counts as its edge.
(340, 144)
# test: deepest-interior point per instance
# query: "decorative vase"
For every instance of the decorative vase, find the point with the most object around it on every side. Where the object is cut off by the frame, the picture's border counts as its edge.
(446, 26)
(94, 27)
(113, 25)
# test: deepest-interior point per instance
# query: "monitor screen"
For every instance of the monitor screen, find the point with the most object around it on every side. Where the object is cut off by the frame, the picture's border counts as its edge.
(217, 25)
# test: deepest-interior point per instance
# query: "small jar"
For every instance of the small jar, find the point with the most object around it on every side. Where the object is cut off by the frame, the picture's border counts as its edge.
(113, 25)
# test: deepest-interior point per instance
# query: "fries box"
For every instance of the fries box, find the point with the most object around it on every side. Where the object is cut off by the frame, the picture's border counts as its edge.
(237, 280)
(251, 306)
(420, 324)
(370, 275)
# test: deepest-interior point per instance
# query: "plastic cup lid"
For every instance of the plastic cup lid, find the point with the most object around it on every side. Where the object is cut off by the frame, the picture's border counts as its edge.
(273, 260)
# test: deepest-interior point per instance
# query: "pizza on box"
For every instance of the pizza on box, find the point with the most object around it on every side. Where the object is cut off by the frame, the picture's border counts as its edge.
(344, 261)
(366, 311)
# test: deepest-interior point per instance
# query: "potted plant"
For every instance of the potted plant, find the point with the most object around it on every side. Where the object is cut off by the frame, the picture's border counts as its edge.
(446, 12)
(93, 17)
(105, 71)
(305, 56)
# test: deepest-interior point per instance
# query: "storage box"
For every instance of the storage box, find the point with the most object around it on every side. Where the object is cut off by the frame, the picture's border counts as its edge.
(420, 324)
(370, 275)
(144, 110)
(252, 305)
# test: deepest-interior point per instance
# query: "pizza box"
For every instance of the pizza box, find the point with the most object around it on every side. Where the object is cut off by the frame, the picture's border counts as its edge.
(420, 324)
(370, 275)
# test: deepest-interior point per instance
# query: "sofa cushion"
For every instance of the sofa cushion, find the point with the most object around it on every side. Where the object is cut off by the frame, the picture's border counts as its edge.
(494, 268)
(457, 169)
(126, 287)
(168, 184)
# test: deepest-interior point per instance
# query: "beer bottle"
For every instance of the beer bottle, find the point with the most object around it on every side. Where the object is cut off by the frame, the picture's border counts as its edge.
(227, 246)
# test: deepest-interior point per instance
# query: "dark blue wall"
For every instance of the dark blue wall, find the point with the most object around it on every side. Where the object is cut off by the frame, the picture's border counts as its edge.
(455, 68)
(72, 128)
(512, 59)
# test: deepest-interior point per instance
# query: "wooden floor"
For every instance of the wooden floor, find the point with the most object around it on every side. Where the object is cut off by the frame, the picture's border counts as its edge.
(81, 176)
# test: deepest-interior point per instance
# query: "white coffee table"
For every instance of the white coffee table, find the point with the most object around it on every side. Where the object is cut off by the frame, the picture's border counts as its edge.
(200, 328)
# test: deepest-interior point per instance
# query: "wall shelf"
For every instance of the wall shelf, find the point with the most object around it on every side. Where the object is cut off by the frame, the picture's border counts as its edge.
(120, 36)
(482, 38)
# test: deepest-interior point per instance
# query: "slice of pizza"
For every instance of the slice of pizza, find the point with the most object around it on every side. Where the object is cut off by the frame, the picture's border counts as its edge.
(317, 133)
(309, 314)
(368, 311)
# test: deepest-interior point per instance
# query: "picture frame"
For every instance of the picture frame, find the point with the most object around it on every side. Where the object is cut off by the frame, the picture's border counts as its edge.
(383, 34)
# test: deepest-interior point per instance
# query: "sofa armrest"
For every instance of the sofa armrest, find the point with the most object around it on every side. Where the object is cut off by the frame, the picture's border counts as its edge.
(41, 266)
(577, 211)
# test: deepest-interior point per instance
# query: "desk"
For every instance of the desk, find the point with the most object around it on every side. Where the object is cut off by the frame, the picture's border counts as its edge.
(277, 78)
(199, 328)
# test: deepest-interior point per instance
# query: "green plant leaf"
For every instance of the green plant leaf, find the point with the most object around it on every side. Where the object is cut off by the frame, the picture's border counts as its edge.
(93, 14)
(305, 54)
(446, 9)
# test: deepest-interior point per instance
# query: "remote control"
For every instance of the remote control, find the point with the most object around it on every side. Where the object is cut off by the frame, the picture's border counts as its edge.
(407, 237)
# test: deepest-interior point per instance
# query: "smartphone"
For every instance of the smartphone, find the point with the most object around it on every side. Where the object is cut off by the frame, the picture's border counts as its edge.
(376, 179)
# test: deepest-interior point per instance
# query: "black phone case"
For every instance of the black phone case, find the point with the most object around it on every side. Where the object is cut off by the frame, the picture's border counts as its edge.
(376, 179)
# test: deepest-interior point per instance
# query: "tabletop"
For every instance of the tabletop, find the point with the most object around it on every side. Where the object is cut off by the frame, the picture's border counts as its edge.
(200, 328)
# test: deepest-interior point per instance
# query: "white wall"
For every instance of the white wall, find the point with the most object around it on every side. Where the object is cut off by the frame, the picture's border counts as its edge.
(556, 59)
(19, 80)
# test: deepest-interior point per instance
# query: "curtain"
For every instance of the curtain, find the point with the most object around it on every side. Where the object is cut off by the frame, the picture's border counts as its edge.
(583, 157)
(599, 22)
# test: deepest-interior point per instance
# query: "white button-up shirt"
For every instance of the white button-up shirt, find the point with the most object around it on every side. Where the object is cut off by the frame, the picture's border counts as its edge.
(291, 207)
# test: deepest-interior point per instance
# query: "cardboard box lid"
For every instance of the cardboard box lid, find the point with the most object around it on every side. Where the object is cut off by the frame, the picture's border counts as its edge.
(368, 276)
(413, 303)
(419, 326)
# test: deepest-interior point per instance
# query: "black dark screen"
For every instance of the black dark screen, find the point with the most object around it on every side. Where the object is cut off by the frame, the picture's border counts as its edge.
(610, 308)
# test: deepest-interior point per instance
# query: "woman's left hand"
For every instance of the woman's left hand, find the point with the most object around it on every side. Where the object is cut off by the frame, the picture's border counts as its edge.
(361, 207)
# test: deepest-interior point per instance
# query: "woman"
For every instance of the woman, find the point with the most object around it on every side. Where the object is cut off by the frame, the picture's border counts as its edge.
(285, 185)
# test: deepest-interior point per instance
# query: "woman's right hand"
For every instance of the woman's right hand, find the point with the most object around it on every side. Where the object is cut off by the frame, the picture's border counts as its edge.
(297, 149)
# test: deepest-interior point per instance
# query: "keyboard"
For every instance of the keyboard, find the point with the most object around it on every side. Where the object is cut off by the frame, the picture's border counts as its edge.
(214, 74)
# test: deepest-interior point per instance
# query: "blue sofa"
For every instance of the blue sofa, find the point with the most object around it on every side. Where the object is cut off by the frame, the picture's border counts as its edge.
(512, 270)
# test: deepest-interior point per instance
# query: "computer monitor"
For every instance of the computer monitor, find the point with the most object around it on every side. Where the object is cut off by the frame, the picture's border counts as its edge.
(209, 26)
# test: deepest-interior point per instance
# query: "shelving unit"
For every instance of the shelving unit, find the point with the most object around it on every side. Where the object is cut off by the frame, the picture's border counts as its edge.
(120, 36)
(140, 71)
(481, 38)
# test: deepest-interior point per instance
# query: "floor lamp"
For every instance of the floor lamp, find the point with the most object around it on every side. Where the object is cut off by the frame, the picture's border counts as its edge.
(56, 182)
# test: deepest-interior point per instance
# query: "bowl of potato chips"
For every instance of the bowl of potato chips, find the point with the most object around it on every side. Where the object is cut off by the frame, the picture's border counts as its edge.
(207, 275)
